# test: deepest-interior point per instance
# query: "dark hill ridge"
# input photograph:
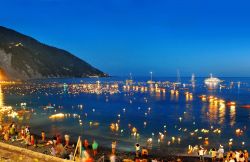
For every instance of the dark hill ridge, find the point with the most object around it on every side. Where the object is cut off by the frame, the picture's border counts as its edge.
(22, 57)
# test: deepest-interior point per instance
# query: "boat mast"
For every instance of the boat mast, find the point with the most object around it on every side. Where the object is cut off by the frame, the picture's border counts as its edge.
(178, 77)
(151, 76)
(130, 75)
(193, 80)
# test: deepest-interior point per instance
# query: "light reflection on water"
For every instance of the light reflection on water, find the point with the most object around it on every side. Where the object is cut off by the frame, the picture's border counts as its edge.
(232, 115)
(222, 112)
(166, 109)
(1, 97)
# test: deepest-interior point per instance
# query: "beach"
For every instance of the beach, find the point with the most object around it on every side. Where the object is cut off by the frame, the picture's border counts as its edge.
(13, 153)
(19, 150)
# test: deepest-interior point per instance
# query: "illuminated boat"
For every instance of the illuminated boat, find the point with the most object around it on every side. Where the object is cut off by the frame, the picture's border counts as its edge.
(202, 96)
(231, 103)
(57, 116)
(129, 82)
(150, 82)
(212, 82)
(48, 107)
(93, 76)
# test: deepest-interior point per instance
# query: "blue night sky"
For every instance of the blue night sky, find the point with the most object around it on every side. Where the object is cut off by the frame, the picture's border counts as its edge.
(139, 36)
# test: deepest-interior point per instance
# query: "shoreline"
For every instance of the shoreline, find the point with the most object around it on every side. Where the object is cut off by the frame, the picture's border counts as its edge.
(18, 151)
(42, 154)
(43, 151)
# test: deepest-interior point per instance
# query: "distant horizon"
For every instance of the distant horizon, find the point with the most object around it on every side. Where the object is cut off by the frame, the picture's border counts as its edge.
(140, 76)
(128, 36)
(183, 76)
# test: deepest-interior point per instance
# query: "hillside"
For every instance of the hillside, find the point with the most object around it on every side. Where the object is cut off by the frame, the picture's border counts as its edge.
(23, 57)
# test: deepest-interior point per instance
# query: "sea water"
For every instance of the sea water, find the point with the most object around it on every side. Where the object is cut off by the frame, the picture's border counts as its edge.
(149, 113)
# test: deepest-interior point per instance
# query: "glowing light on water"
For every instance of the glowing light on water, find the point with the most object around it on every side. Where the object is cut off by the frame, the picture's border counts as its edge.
(232, 115)
(212, 82)
(57, 116)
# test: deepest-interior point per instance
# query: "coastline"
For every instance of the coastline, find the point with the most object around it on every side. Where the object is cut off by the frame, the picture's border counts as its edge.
(17, 151)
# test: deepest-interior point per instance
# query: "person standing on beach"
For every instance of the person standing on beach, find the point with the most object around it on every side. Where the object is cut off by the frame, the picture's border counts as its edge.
(58, 139)
(201, 153)
(144, 153)
(66, 138)
(112, 158)
(6, 135)
(43, 136)
(32, 140)
(86, 145)
(221, 153)
(22, 133)
(27, 130)
(113, 146)
(137, 149)
(241, 157)
(1, 128)
(246, 155)
(150, 143)
(12, 129)
(94, 147)
(27, 140)
(237, 155)
(213, 154)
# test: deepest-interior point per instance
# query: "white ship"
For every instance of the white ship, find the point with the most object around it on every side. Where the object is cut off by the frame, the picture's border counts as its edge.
(212, 82)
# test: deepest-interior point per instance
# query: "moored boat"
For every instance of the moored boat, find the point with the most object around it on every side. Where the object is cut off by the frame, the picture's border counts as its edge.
(245, 106)
(231, 103)
(212, 82)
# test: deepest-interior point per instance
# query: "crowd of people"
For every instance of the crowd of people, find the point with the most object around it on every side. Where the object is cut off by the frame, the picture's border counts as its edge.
(57, 146)
(61, 147)
(221, 155)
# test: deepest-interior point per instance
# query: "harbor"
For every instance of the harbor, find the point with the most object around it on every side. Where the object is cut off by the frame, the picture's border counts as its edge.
(124, 81)
(159, 116)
